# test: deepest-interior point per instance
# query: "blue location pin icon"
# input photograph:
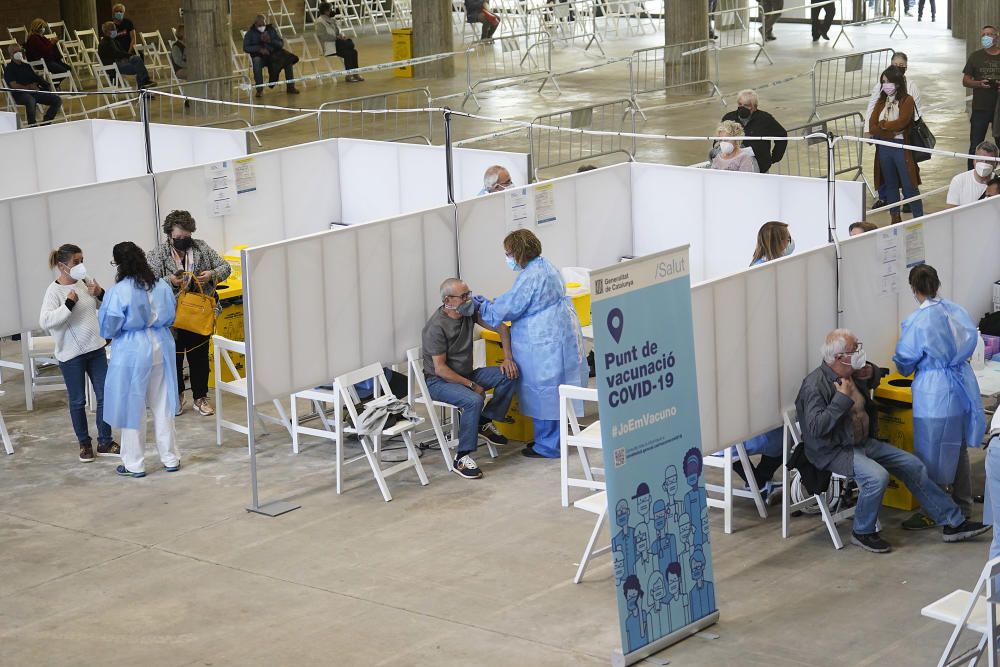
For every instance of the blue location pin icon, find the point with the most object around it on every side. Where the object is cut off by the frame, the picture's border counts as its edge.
(616, 322)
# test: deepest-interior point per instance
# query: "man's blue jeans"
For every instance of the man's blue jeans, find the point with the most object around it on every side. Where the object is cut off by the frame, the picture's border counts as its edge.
(874, 460)
(75, 372)
(136, 67)
(471, 403)
(991, 513)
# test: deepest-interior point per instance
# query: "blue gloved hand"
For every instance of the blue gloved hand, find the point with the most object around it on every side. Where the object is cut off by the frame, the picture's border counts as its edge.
(479, 300)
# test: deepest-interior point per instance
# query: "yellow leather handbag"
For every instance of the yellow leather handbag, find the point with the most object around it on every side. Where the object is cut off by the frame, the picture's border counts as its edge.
(195, 310)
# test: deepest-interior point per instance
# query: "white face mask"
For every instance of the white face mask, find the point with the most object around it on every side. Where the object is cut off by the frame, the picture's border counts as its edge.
(261, 28)
(858, 360)
(984, 169)
(78, 272)
(726, 147)
(18, 57)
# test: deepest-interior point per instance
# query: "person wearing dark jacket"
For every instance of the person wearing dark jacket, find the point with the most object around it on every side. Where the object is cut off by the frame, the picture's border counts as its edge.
(110, 53)
(266, 47)
(27, 88)
(757, 123)
(839, 428)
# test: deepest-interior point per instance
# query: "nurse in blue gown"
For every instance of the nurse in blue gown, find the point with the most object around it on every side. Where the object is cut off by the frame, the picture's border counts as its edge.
(935, 343)
(545, 337)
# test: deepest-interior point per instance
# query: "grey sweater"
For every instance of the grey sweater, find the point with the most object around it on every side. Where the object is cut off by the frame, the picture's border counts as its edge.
(161, 260)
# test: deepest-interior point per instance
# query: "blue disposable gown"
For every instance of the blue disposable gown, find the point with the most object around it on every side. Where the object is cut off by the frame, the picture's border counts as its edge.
(132, 321)
(937, 342)
(545, 337)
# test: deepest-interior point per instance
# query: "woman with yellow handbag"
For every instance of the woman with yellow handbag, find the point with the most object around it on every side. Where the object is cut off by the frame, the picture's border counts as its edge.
(193, 269)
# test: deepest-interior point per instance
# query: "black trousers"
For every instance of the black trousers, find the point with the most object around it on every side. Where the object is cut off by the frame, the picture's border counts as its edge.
(820, 28)
(920, 8)
(346, 50)
(195, 348)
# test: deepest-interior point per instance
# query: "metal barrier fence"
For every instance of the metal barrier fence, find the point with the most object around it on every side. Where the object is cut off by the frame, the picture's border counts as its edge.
(507, 59)
(884, 14)
(733, 29)
(848, 77)
(171, 104)
(553, 143)
(812, 156)
(662, 68)
(387, 126)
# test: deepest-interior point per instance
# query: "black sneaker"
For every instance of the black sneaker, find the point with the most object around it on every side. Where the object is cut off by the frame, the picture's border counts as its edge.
(489, 432)
(86, 453)
(467, 468)
(907, 209)
(879, 203)
(871, 542)
(965, 531)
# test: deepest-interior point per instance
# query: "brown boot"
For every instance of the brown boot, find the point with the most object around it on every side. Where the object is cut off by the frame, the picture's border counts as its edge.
(896, 217)
(292, 90)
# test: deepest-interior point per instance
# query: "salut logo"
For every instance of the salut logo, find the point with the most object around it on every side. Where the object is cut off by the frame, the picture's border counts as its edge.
(671, 266)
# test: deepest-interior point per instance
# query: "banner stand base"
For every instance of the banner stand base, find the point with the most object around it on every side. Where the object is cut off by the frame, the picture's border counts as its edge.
(276, 508)
(694, 629)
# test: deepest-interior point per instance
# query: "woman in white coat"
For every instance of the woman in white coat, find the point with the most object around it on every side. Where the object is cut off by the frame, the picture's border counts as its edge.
(136, 315)
(334, 43)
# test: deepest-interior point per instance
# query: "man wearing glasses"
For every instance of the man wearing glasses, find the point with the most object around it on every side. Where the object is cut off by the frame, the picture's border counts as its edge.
(496, 179)
(447, 348)
(839, 420)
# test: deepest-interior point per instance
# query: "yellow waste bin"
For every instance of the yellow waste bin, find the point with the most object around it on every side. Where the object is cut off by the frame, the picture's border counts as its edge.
(894, 398)
(521, 429)
(228, 325)
(402, 49)
(580, 296)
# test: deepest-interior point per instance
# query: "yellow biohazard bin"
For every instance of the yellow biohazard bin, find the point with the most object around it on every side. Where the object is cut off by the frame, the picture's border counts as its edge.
(522, 429)
(402, 49)
(894, 398)
(228, 325)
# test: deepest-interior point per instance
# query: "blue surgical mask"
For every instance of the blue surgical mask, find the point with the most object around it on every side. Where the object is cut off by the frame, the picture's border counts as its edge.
(119, 16)
(512, 263)
(986, 41)
(113, 34)
(791, 248)
(467, 309)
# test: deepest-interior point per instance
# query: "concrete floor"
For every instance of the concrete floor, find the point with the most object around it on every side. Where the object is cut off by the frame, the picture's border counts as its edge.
(170, 569)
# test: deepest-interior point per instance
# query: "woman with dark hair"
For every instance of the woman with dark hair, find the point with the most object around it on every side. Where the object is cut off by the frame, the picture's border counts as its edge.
(891, 120)
(545, 337)
(136, 315)
(181, 260)
(935, 345)
(69, 314)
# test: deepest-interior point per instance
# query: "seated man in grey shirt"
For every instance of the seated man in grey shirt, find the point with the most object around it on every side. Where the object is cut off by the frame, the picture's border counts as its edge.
(839, 420)
(447, 348)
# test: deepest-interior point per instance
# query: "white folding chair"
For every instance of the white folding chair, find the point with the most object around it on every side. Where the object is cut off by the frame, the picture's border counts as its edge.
(436, 410)
(333, 430)
(821, 501)
(75, 55)
(348, 12)
(111, 83)
(299, 46)
(241, 60)
(727, 488)
(90, 40)
(18, 33)
(595, 504)
(375, 12)
(4, 44)
(310, 13)
(157, 57)
(222, 349)
(4, 435)
(571, 435)
(371, 443)
(402, 13)
(279, 15)
(36, 351)
(975, 611)
(57, 28)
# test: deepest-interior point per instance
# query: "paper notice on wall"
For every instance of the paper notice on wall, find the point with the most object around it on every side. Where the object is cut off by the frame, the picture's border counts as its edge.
(545, 204)
(520, 208)
(246, 177)
(222, 190)
(889, 255)
(914, 237)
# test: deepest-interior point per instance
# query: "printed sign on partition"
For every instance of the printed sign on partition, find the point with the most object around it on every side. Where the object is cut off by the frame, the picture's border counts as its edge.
(651, 432)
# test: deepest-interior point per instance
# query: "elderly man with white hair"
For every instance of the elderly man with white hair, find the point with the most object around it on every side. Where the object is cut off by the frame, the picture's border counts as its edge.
(495, 179)
(757, 123)
(839, 421)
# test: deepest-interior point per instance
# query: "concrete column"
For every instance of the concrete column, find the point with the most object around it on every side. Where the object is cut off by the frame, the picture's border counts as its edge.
(432, 33)
(977, 14)
(79, 14)
(687, 22)
(956, 18)
(206, 32)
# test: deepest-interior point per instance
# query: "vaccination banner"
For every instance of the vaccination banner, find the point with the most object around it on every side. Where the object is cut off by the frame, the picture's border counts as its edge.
(648, 406)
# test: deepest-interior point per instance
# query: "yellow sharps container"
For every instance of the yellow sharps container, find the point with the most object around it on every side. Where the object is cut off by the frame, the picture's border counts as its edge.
(229, 325)
(521, 430)
(894, 398)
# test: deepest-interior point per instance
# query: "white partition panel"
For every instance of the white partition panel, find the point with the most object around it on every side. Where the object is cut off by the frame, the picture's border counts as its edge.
(24, 178)
(32, 226)
(8, 121)
(370, 180)
(592, 227)
(757, 335)
(959, 243)
(718, 213)
(322, 305)
(65, 155)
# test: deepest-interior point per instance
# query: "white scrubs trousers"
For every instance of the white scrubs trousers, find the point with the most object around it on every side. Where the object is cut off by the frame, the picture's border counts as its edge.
(133, 441)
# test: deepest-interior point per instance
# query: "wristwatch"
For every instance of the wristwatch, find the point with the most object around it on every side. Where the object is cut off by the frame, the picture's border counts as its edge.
(472, 385)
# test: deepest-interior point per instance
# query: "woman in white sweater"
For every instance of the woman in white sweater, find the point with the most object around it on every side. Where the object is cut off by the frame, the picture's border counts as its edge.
(69, 313)
(334, 43)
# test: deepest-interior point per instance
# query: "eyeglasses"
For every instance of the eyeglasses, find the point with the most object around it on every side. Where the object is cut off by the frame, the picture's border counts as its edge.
(463, 296)
(113, 263)
(857, 348)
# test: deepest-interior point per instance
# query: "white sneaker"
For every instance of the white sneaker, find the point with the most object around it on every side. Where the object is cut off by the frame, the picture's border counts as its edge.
(467, 468)
(180, 406)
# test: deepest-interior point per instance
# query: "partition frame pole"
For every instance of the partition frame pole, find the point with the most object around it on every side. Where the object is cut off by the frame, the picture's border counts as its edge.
(277, 507)
(449, 169)
(832, 217)
(144, 96)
